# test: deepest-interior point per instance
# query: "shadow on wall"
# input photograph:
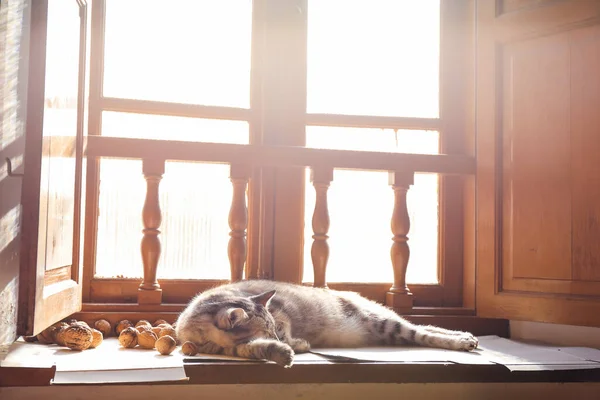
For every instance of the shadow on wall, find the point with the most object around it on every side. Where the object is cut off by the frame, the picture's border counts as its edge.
(14, 26)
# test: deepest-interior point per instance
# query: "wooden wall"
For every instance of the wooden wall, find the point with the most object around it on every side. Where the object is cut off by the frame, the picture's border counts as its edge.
(14, 21)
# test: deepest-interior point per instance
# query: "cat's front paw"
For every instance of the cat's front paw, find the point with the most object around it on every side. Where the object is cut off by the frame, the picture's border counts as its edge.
(280, 353)
(467, 342)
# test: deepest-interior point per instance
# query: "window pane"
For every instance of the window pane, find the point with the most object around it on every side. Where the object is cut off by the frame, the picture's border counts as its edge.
(374, 57)
(146, 126)
(360, 208)
(57, 196)
(194, 199)
(183, 51)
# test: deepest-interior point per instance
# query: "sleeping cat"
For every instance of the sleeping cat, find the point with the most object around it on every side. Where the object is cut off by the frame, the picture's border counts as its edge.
(274, 320)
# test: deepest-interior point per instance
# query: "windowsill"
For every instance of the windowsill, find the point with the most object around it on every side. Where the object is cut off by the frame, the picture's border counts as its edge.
(26, 369)
(315, 372)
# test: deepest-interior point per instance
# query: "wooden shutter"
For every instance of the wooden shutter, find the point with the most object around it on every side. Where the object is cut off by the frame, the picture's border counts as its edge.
(538, 156)
(50, 284)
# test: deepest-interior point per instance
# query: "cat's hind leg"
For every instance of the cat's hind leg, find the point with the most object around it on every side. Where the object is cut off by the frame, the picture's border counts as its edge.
(398, 331)
(423, 336)
(435, 329)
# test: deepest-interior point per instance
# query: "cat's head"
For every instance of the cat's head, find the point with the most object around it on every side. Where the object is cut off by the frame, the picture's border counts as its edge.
(229, 320)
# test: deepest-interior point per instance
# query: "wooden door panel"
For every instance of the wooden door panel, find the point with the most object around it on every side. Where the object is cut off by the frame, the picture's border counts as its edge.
(50, 273)
(535, 131)
(585, 153)
(538, 174)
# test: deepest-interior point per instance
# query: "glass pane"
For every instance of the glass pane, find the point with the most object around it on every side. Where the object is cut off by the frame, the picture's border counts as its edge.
(146, 126)
(183, 51)
(194, 199)
(57, 196)
(360, 208)
(374, 57)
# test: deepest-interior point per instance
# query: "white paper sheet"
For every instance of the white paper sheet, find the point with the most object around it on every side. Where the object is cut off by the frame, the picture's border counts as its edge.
(107, 361)
(119, 376)
(521, 356)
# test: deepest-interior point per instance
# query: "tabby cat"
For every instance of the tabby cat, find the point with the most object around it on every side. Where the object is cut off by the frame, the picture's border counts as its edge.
(274, 320)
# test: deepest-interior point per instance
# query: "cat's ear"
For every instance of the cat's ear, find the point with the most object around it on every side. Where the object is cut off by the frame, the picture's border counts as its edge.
(235, 316)
(263, 298)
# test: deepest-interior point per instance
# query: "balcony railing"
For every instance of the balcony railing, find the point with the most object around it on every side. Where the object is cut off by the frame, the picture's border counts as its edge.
(243, 159)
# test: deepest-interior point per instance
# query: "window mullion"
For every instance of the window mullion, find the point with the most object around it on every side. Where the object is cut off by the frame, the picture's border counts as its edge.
(279, 107)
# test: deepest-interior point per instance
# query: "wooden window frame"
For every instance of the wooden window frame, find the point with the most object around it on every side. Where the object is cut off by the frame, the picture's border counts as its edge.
(277, 116)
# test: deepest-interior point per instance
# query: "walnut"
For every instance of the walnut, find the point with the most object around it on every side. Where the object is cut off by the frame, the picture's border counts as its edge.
(147, 339)
(97, 338)
(167, 331)
(159, 322)
(156, 330)
(45, 336)
(79, 323)
(128, 337)
(189, 349)
(58, 327)
(122, 325)
(143, 322)
(165, 345)
(144, 328)
(103, 326)
(59, 336)
(77, 337)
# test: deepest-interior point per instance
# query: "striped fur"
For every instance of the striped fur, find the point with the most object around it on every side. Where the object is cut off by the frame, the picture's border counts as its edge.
(274, 320)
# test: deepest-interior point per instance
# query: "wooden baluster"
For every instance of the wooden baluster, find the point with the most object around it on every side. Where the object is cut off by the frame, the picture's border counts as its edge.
(399, 297)
(238, 221)
(149, 291)
(321, 178)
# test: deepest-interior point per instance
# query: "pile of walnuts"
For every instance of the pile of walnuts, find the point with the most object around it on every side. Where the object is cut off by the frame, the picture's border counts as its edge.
(78, 335)
(160, 335)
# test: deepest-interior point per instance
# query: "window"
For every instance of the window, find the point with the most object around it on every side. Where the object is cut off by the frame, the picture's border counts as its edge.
(264, 73)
